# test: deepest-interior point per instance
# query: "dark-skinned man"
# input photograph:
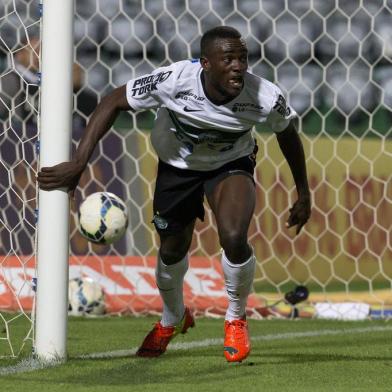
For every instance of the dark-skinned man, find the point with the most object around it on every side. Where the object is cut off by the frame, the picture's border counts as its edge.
(203, 138)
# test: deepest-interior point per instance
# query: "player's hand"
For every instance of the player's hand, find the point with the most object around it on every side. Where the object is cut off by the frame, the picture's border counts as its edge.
(64, 175)
(299, 213)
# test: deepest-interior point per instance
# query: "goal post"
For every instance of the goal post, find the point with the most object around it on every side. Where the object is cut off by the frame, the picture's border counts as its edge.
(53, 207)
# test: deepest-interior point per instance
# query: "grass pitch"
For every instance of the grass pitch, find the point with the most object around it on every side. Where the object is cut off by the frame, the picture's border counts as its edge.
(301, 355)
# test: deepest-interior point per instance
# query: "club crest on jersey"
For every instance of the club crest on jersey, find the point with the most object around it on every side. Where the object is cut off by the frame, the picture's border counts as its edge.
(149, 83)
(160, 222)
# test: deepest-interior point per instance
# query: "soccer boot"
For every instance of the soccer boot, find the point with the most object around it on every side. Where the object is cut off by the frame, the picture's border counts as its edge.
(237, 344)
(155, 343)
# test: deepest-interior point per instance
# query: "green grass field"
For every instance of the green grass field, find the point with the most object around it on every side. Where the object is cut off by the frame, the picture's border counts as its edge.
(301, 355)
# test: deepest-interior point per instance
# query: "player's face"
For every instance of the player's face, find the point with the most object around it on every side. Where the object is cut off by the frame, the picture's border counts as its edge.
(224, 66)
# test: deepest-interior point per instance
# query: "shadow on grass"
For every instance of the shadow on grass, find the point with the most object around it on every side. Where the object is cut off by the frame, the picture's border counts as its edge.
(176, 369)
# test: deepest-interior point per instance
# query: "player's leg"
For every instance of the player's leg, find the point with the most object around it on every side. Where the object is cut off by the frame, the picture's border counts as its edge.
(232, 202)
(178, 201)
(172, 264)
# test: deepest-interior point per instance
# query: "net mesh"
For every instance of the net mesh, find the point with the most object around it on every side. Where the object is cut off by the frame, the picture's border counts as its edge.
(333, 61)
(19, 64)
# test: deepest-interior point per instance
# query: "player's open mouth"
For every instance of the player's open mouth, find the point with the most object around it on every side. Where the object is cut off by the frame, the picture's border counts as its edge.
(236, 82)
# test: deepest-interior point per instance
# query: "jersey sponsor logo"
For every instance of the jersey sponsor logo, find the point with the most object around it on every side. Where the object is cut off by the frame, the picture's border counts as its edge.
(280, 106)
(246, 106)
(189, 110)
(149, 83)
(214, 139)
(189, 95)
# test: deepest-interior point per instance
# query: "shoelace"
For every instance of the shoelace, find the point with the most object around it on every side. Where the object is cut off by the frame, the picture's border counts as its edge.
(239, 332)
(163, 331)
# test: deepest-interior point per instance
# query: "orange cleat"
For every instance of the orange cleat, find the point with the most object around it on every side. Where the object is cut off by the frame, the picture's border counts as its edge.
(237, 344)
(155, 343)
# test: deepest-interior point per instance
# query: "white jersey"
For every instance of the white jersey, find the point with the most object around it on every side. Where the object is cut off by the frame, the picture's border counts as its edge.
(190, 131)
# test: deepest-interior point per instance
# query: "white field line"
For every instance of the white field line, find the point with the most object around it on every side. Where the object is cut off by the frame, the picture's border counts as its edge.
(217, 342)
(31, 364)
(28, 365)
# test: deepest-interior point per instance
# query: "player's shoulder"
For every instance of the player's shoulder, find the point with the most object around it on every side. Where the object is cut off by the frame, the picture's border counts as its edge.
(185, 69)
(265, 93)
(181, 75)
(171, 76)
(259, 86)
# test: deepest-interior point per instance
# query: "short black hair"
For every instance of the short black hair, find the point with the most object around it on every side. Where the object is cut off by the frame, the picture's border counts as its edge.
(216, 33)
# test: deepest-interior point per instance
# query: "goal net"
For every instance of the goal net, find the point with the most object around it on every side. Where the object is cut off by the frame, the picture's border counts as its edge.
(333, 61)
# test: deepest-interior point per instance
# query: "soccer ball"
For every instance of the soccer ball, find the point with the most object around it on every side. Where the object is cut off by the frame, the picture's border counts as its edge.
(85, 297)
(103, 218)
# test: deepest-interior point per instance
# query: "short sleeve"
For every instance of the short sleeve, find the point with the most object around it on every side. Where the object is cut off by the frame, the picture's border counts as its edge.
(150, 91)
(281, 113)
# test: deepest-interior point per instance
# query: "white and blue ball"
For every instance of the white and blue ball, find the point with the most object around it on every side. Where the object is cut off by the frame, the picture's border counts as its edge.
(103, 218)
(85, 297)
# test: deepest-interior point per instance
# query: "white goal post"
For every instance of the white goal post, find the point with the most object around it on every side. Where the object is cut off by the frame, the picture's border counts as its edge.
(54, 147)
(332, 59)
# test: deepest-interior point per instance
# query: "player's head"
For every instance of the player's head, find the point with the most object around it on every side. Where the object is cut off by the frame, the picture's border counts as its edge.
(224, 58)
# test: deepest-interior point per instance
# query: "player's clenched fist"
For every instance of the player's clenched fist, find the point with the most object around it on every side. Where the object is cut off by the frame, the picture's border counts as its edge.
(299, 213)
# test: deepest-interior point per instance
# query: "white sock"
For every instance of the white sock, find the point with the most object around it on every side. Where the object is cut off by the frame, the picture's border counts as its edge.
(170, 280)
(239, 280)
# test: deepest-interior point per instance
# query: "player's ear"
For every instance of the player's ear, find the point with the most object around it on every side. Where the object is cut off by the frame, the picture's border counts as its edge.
(205, 64)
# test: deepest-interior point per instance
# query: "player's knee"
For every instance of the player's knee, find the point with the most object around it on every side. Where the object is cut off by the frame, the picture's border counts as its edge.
(172, 256)
(232, 238)
(235, 244)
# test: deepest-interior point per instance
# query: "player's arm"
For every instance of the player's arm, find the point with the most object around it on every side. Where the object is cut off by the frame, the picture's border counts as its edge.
(67, 174)
(292, 149)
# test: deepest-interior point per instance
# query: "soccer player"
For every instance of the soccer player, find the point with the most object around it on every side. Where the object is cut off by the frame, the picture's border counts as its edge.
(203, 139)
